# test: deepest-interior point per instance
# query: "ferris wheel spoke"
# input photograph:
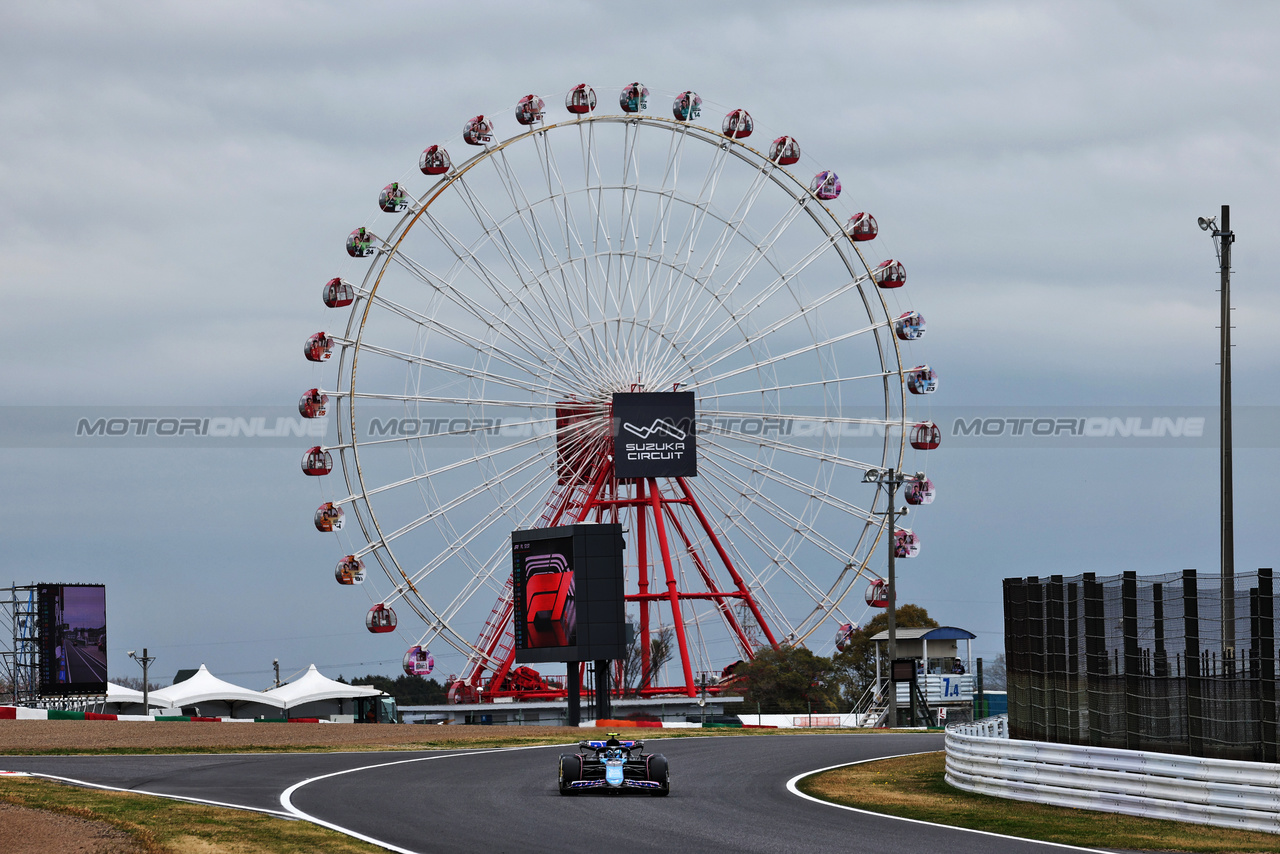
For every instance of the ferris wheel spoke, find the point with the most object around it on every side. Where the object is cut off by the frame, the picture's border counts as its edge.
(497, 238)
(459, 370)
(796, 524)
(809, 490)
(682, 257)
(447, 289)
(445, 507)
(454, 334)
(793, 417)
(571, 233)
(794, 449)
(790, 386)
(700, 339)
(459, 542)
(777, 556)
(557, 300)
(782, 357)
(444, 469)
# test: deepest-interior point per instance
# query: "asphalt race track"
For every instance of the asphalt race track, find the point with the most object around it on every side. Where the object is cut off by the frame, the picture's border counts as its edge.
(727, 794)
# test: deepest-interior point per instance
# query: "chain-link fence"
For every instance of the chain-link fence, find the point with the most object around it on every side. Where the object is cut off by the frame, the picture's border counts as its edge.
(1144, 663)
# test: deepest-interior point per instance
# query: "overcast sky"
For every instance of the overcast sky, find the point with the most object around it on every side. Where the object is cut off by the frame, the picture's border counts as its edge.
(176, 181)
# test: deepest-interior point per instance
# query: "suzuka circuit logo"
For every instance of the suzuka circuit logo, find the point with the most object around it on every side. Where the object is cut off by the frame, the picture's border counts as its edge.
(659, 427)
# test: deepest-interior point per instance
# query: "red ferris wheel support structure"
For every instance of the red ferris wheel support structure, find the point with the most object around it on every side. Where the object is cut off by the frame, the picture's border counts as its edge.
(665, 519)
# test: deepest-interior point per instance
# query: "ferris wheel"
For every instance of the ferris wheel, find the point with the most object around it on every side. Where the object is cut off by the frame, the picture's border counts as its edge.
(515, 285)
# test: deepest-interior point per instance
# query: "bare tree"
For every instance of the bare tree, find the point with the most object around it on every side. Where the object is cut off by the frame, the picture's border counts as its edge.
(634, 674)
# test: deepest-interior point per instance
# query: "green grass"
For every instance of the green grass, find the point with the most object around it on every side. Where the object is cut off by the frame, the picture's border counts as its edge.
(914, 787)
(162, 826)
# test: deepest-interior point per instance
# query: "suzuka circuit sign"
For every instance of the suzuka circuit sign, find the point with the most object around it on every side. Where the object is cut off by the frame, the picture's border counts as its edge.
(653, 434)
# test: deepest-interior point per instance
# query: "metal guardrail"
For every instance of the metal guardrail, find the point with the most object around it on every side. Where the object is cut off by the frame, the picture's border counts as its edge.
(1243, 795)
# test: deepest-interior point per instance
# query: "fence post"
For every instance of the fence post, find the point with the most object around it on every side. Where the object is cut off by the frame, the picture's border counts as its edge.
(1195, 695)
(1017, 671)
(1132, 662)
(1036, 658)
(1267, 660)
(1073, 665)
(1055, 655)
(1095, 655)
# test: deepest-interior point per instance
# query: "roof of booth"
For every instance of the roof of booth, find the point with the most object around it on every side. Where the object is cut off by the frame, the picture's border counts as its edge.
(313, 685)
(936, 633)
(121, 694)
(204, 687)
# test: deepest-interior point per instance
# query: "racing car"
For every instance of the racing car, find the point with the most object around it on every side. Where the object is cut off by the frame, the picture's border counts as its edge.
(615, 766)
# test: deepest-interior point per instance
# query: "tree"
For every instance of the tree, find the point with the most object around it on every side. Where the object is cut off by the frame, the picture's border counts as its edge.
(661, 648)
(994, 675)
(407, 690)
(855, 665)
(786, 679)
(135, 682)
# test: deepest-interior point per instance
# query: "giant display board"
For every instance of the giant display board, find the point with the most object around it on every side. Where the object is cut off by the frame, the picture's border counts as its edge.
(71, 620)
(568, 594)
(653, 434)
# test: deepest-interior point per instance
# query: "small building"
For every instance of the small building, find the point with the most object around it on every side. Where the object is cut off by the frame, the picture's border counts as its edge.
(943, 676)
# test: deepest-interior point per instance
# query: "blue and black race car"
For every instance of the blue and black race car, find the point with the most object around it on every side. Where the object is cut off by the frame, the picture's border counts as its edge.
(614, 766)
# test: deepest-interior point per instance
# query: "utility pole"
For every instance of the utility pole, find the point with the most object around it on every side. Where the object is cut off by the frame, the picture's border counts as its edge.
(891, 479)
(145, 661)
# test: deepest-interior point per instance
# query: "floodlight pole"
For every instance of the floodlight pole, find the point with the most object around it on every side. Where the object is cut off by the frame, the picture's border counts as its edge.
(1228, 504)
(1223, 237)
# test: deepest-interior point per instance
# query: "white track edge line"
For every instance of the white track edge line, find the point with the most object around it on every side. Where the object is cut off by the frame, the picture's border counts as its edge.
(204, 801)
(791, 787)
(287, 795)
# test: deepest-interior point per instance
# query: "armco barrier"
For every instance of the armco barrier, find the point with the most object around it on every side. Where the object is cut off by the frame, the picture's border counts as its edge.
(1243, 795)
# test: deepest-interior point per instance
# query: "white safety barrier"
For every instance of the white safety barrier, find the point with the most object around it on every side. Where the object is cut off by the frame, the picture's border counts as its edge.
(1243, 795)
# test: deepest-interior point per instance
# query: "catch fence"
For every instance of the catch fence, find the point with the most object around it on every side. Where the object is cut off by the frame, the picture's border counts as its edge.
(1144, 663)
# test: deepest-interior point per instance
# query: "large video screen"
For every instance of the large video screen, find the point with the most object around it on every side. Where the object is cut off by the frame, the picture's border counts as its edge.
(72, 624)
(567, 586)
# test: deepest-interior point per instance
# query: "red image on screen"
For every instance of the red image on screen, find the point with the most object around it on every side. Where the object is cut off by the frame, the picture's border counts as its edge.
(550, 612)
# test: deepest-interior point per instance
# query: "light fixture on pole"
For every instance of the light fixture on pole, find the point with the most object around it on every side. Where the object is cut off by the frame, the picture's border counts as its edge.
(146, 685)
(891, 479)
(1223, 237)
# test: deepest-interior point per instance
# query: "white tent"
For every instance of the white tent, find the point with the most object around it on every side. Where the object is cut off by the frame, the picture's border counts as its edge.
(213, 697)
(124, 700)
(315, 695)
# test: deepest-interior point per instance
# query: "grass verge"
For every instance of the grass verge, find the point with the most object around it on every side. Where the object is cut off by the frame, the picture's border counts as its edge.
(162, 826)
(914, 787)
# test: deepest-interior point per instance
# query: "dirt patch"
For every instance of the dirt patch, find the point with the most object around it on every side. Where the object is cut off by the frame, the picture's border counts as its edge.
(27, 831)
(26, 737)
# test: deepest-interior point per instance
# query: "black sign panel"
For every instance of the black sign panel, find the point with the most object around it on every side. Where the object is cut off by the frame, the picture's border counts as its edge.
(653, 434)
(568, 597)
(71, 620)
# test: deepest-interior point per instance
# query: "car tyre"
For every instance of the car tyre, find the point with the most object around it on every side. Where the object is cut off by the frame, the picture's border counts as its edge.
(570, 771)
(660, 773)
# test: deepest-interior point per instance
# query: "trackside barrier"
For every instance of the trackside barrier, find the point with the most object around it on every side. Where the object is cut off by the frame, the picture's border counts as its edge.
(1243, 795)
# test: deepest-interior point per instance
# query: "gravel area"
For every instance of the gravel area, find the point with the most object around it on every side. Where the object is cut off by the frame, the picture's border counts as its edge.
(24, 831)
(91, 736)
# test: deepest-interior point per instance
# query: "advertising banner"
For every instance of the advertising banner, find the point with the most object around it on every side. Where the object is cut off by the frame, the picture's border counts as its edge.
(654, 434)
